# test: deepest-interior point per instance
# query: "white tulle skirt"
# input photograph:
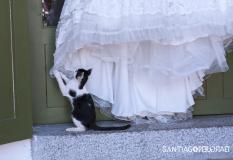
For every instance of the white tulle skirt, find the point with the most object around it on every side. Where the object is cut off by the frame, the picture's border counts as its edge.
(148, 57)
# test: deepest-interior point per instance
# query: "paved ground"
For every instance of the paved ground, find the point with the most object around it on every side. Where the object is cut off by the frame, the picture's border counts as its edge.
(145, 141)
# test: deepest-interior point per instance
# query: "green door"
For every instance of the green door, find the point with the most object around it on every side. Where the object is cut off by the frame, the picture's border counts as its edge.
(48, 104)
(50, 107)
(219, 93)
(15, 107)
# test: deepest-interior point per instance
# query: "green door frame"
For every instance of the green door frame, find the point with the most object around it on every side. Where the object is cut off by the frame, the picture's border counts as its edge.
(15, 93)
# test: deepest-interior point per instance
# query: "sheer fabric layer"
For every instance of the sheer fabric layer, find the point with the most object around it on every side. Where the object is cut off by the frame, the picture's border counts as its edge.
(147, 56)
(145, 77)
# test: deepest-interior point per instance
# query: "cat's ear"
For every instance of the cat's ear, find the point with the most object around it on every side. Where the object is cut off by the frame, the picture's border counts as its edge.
(84, 78)
(89, 72)
(78, 73)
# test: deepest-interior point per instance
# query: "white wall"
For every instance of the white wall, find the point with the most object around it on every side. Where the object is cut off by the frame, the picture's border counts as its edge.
(20, 150)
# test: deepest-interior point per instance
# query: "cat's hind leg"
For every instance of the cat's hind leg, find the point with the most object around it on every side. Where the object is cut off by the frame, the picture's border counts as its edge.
(79, 126)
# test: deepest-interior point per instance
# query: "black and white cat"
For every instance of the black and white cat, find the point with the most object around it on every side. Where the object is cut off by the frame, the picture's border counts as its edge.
(83, 108)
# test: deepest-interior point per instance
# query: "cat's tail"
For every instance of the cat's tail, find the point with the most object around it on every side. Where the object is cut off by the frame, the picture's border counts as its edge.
(99, 128)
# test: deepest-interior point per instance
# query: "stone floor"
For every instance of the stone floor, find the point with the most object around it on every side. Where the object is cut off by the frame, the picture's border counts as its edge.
(144, 141)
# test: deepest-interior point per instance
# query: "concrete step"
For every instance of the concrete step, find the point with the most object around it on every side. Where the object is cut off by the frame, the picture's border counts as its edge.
(187, 140)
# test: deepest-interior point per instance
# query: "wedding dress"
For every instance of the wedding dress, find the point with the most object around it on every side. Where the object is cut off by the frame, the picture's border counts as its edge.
(148, 57)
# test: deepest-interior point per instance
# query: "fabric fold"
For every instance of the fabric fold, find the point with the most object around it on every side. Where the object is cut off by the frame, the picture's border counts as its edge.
(147, 57)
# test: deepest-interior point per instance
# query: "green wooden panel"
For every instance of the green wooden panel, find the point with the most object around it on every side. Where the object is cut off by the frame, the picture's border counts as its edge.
(54, 96)
(6, 64)
(228, 79)
(219, 93)
(15, 109)
(46, 107)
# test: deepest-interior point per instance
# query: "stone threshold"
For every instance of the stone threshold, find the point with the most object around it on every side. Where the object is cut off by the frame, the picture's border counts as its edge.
(144, 141)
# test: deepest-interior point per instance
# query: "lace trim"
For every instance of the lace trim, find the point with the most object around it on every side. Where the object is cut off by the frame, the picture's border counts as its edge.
(175, 33)
(145, 117)
(117, 8)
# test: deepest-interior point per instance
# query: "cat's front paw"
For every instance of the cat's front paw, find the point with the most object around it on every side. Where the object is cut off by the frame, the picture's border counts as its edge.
(75, 129)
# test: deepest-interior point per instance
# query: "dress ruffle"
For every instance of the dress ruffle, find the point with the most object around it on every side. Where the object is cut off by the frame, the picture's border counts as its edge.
(127, 71)
(146, 56)
(90, 24)
(166, 26)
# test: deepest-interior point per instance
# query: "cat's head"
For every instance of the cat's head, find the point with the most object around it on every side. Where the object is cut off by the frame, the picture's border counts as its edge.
(72, 88)
(82, 76)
